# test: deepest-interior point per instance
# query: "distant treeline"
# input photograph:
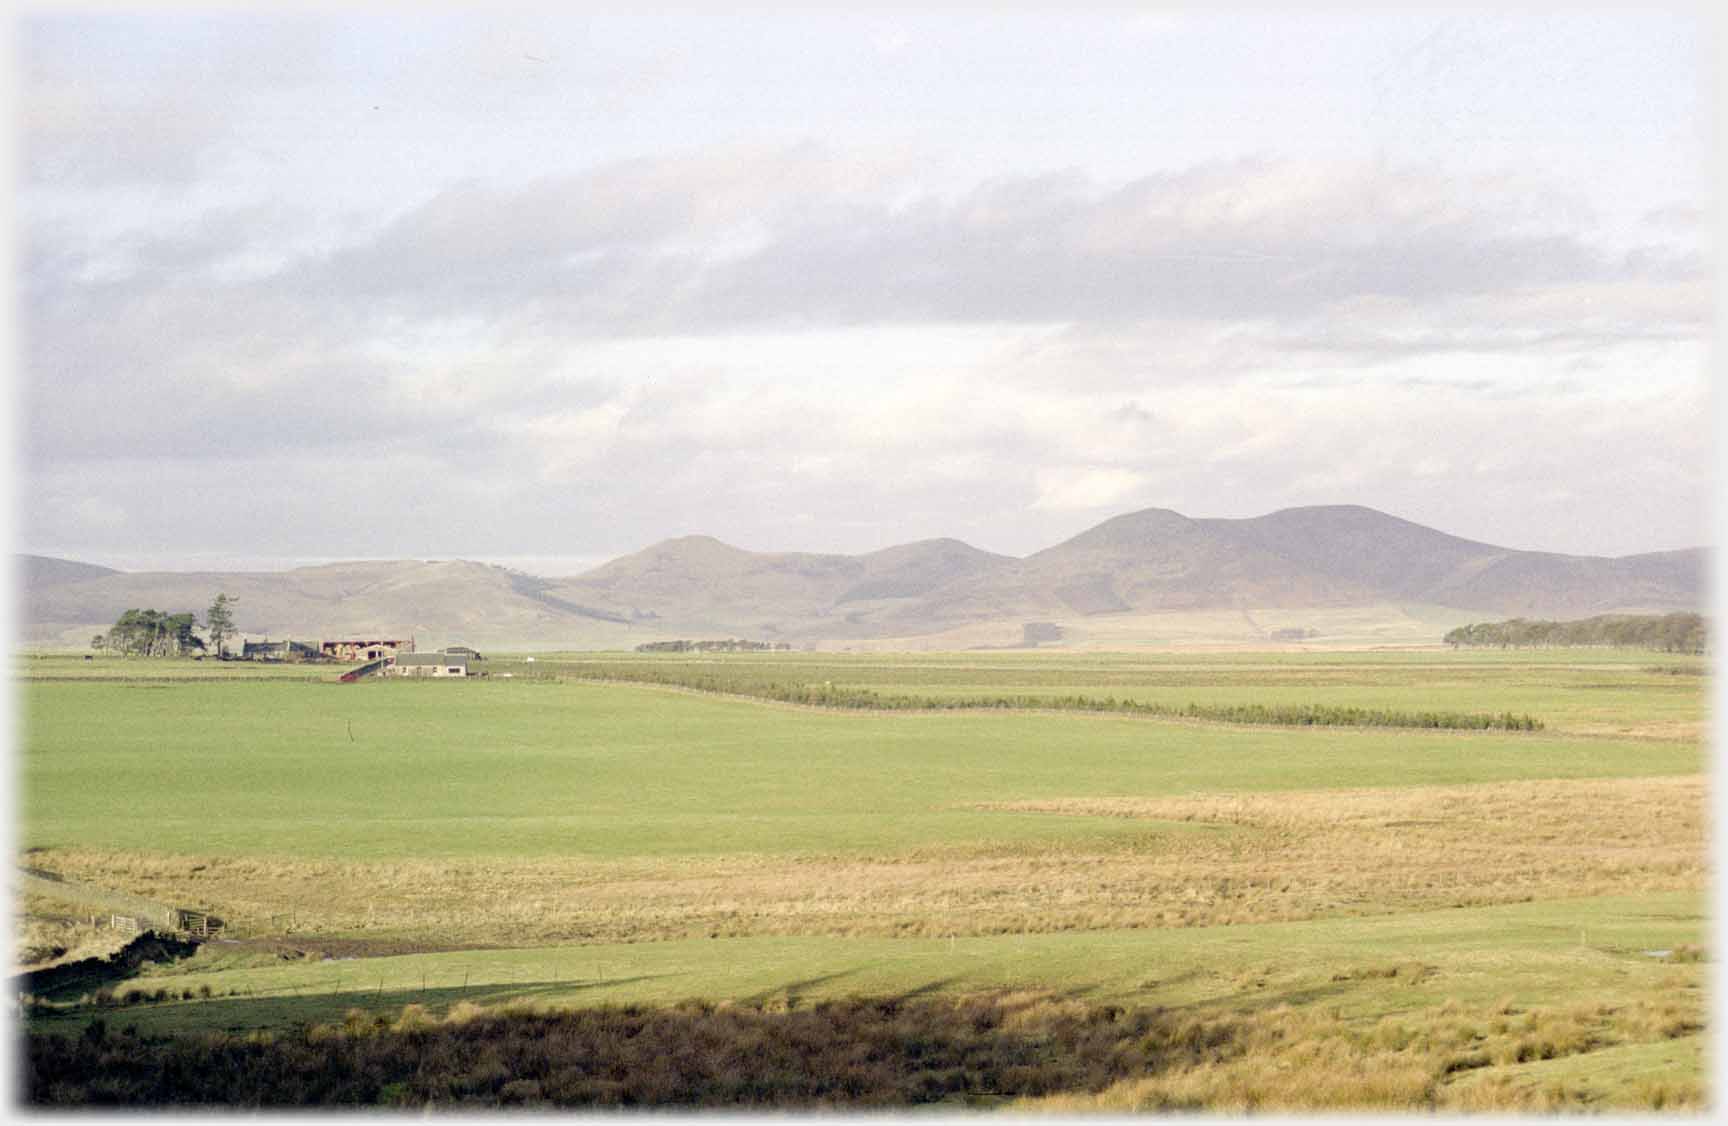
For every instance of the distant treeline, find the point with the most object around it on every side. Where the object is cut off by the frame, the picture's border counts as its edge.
(830, 695)
(727, 646)
(1670, 633)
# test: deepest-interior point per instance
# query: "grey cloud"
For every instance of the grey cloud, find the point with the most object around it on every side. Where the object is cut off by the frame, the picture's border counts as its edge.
(249, 398)
(772, 240)
(1195, 276)
(767, 239)
(128, 371)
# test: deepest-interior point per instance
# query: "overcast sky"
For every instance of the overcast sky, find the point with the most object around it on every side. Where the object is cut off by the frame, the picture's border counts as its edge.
(546, 289)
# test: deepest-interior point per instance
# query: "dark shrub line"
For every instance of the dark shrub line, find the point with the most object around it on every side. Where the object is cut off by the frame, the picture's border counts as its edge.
(1284, 715)
(1670, 633)
(859, 1053)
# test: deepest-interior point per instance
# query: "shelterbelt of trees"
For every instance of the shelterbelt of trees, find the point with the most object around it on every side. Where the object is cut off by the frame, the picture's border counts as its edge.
(152, 633)
(730, 645)
(1670, 633)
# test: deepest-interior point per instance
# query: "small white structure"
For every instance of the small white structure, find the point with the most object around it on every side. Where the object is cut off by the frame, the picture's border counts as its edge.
(430, 664)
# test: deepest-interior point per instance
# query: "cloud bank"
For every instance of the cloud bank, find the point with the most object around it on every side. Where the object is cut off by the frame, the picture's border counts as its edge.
(817, 345)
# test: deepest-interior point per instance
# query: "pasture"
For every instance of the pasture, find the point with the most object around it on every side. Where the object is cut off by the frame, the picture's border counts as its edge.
(562, 837)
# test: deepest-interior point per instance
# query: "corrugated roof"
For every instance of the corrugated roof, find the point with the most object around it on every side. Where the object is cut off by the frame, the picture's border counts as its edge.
(453, 659)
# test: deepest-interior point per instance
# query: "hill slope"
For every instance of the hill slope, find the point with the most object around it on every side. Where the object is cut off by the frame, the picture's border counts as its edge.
(434, 602)
(1150, 562)
(38, 572)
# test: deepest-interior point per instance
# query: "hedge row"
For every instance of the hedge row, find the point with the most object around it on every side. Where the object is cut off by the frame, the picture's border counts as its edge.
(827, 695)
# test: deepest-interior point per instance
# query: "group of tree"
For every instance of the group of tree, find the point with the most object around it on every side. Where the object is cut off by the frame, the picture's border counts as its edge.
(153, 633)
(1670, 633)
(731, 645)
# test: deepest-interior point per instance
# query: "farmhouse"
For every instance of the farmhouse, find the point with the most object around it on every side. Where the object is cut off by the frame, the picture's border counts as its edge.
(430, 664)
(364, 650)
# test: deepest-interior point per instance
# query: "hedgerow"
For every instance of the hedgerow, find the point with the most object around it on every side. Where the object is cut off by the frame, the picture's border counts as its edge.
(829, 695)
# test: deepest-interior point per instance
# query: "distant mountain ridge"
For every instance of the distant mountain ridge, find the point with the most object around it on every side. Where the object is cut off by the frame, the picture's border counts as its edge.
(1147, 562)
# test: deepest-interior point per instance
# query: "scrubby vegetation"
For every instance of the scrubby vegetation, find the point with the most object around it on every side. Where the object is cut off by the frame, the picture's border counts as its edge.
(1048, 1051)
(744, 682)
(1670, 633)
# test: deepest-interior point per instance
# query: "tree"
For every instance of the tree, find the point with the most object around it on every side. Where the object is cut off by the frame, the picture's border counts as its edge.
(151, 633)
(219, 621)
(99, 642)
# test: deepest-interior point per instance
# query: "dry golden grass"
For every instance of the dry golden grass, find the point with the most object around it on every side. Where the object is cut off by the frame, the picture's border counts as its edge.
(1265, 858)
(1051, 1053)
(1305, 1060)
(44, 937)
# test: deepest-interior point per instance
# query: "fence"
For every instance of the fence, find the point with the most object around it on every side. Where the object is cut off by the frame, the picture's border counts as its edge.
(122, 910)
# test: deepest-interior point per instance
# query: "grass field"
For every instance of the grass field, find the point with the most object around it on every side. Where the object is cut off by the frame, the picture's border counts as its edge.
(563, 842)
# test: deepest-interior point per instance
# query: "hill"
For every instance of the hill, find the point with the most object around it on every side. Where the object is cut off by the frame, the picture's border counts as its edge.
(37, 572)
(1150, 564)
(705, 585)
(435, 602)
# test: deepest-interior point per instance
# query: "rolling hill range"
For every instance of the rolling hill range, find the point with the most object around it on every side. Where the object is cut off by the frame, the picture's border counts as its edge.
(1151, 564)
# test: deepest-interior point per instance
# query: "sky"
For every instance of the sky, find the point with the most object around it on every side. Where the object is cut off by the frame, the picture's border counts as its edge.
(548, 287)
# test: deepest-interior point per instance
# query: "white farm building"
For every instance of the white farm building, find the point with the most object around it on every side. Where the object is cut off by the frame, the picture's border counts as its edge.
(430, 664)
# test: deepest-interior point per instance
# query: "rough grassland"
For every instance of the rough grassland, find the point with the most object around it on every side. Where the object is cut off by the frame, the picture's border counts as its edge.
(1441, 1009)
(1198, 861)
(1439, 920)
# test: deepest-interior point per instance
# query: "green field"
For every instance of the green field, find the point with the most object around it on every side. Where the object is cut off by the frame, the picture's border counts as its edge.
(628, 843)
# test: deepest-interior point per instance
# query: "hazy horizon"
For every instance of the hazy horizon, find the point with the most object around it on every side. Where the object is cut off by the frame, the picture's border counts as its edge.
(557, 286)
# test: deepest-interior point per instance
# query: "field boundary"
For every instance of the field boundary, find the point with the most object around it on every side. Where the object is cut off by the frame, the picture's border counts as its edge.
(1128, 711)
(125, 911)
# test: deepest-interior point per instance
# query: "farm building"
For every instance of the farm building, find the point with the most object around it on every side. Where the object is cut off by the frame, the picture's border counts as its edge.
(278, 651)
(364, 650)
(430, 664)
(463, 651)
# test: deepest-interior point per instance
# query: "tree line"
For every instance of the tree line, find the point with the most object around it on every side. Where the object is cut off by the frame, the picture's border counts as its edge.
(730, 645)
(153, 633)
(1670, 633)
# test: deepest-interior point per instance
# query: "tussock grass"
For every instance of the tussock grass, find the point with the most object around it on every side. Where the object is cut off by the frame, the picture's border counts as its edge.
(1237, 858)
(1439, 1058)
(1051, 1053)
(43, 936)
